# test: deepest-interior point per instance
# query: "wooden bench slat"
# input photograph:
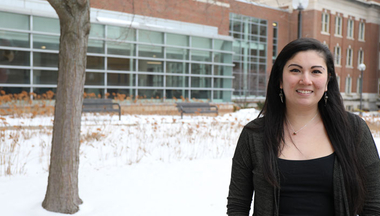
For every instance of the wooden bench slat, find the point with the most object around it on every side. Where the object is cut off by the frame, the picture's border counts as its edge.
(101, 105)
(196, 108)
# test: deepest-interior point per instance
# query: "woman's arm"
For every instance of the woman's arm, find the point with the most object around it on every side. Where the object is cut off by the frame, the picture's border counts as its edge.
(241, 185)
(370, 158)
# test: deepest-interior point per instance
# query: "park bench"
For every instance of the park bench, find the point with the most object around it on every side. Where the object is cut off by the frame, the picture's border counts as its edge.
(196, 107)
(100, 105)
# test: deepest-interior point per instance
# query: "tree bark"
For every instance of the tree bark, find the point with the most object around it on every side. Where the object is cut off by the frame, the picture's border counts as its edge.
(62, 193)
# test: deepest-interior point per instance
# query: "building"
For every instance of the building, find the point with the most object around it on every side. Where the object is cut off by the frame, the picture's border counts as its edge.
(199, 49)
(351, 29)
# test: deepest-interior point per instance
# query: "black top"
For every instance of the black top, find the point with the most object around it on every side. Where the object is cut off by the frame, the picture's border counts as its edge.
(307, 187)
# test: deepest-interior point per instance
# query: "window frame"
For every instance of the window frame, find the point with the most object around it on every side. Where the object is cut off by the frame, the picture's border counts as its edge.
(337, 55)
(350, 28)
(349, 57)
(361, 33)
(338, 28)
(348, 87)
(325, 22)
(360, 56)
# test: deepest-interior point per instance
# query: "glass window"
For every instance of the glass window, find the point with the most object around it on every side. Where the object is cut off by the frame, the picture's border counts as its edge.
(350, 28)
(263, 31)
(117, 79)
(177, 53)
(14, 76)
(222, 70)
(97, 30)
(177, 40)
(151, 37)
(222, 45)
(222, 83)
(201, 42)
(150, 94)
(349, 57)
(338, 25)
(14, 39)
(361, 30)
(45, 42)
(14, 90)
(201, 69)
(348, 85)
(124, 64)
(94, 92)
(44, 24)
(13, 57)
(151, 80)
(127, 92)
(94, 78)
(197, 55)
(45, 59)
(45, 77)
(151, 51)
(95, 46)
(223, 96)
(14, 21)
(95, 62)
(360, 56)
(262, 50)
(177, 81)
(222, 58)
(201, 82)
(43, 92)
(201, 94)
(177, 67)
(121, 33)
(119, 48)
(176, 93)
(325, 22)
(337, 55)
(150, 66)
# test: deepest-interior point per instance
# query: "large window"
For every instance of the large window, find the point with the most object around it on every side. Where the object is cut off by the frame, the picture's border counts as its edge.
(325, 22)
(141, 63)
(349, 57)
(250, 47)
(361, 31)
(337, 54)
(350, 28)
(338, 25)
(360, 56)
(348, 85)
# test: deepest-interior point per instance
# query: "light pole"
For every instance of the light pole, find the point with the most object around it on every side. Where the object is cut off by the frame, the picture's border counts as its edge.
(300, 5)
(362, 69)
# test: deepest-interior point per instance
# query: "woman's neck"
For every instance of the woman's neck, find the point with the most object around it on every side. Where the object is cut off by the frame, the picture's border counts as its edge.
(299, 117)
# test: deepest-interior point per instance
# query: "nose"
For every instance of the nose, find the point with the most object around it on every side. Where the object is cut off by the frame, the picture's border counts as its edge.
(305, 79)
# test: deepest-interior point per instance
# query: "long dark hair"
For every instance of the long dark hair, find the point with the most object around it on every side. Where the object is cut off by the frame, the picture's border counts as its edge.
(334, 117)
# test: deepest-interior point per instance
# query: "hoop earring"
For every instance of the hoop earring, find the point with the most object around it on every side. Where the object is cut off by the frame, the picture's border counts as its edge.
(326, 97)
(281, 96)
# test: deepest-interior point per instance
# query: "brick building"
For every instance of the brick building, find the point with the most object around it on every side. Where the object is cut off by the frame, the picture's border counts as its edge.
(214, 50)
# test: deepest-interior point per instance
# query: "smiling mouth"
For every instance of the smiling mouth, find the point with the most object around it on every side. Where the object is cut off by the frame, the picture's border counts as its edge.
(304, 91)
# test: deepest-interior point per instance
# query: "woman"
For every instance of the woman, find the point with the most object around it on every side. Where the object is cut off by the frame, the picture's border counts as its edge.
(304, 154)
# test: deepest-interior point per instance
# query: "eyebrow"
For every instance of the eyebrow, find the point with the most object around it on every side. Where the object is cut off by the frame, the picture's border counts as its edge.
(316, 66)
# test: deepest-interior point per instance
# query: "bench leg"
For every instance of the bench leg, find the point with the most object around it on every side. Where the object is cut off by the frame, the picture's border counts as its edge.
(181, 115)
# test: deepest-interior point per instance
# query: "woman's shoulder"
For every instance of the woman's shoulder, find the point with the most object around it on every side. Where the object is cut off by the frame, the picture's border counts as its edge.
(255, 124)
(355, 119)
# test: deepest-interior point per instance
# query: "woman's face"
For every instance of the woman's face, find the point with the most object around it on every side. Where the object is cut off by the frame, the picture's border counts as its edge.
(304, 79)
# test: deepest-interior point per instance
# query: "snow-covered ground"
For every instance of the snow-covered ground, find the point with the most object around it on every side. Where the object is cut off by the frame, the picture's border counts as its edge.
(141, 165)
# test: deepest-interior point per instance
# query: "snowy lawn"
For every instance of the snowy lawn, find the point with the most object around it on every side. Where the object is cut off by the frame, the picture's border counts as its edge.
(141, 165)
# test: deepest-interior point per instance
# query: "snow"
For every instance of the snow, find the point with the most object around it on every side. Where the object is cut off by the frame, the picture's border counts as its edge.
(141, 165)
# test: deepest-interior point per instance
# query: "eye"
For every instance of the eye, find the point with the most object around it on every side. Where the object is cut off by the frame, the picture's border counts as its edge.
(317, 72)
(295, 70)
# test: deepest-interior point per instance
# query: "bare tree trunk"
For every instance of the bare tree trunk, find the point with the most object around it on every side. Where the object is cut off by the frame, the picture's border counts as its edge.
(62, 191)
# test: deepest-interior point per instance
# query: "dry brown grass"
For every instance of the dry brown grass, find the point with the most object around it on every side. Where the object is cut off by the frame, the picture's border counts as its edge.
(43, 105)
